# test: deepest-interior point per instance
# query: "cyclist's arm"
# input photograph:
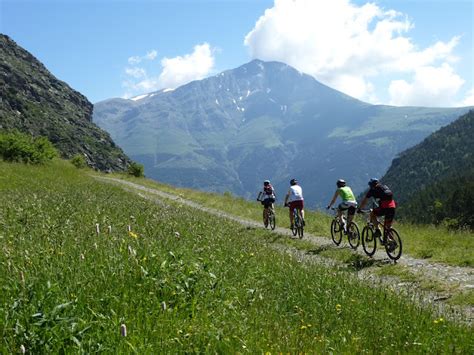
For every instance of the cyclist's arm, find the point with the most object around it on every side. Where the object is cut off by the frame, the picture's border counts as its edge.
(333, 200)
(363, 203)
(259, 196)
(286, 197)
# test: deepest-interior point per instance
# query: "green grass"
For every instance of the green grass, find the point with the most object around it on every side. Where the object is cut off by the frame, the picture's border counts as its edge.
(183, 281)
(438, 244)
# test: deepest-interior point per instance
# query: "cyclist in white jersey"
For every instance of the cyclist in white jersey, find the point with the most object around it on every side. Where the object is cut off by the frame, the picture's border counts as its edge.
(294, 199)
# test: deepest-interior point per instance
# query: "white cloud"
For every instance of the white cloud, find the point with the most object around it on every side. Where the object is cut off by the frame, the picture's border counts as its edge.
(136, 72)
(431, 86)
(175, 71)
(134, 60)
(469, 99)
(348, 47)
(151, 55)
(181, 70)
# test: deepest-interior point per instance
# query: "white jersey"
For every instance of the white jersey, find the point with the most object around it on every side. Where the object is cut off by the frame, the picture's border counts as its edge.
(296, 193)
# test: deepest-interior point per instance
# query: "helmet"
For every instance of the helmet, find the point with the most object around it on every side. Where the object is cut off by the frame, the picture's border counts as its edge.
(293, 182)
(373, 182)
(341, 183)
(266, 182)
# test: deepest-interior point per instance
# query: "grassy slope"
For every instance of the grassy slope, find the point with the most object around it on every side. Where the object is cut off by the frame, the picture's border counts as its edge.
(427, 242)
(215, 287)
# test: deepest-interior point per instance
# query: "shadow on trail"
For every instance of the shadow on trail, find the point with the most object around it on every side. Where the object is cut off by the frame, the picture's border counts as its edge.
(319, 250)
(358, 262)
(353, 261)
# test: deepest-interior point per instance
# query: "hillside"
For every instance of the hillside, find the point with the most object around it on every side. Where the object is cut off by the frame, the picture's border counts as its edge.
(264, 120)
(33, 101)
(182, 280)
(434, 179)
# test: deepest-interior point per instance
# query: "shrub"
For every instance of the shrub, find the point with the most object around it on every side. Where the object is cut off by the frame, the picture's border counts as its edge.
(79, 161)
(20, 147)
(136, 169)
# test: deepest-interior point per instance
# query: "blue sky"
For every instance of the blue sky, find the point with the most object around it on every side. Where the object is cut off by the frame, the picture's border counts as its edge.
(412, 52)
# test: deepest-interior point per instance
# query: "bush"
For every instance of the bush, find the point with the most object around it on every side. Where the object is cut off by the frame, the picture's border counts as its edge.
(136, 169)
(23, 148)
(79, 161)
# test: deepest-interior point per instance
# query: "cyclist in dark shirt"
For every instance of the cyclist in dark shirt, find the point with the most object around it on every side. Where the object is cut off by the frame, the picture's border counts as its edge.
(386, 203)
(267, 198)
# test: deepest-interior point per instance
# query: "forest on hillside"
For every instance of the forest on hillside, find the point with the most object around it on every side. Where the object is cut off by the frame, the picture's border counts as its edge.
(434, 180)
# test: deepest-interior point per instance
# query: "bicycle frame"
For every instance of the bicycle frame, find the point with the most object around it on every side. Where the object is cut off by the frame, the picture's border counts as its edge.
(383, 237)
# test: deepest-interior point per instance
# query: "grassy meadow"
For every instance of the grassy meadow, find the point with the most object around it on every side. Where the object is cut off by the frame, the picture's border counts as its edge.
(180, 281)
(434, 243)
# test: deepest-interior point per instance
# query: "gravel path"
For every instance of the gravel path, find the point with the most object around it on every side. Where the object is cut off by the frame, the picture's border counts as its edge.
(452, 277)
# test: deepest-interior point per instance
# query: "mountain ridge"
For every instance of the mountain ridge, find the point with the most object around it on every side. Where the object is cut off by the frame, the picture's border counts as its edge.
(263, 120)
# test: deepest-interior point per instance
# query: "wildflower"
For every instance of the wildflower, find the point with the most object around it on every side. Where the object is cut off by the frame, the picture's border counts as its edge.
(97, 229)
(132, 251)
(177, 235)
(22, 349)
(123, 330)
(109, 229)
(133, 235)
(82, 256)
(438, 321)
(338, 308)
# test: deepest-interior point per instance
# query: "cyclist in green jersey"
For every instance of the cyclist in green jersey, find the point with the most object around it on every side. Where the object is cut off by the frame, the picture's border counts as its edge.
(348, 203)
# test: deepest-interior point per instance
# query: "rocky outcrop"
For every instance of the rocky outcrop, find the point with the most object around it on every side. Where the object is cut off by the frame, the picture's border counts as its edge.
(32, 100)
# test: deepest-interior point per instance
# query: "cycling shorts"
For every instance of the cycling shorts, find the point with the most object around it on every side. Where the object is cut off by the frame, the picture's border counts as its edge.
(268, 202)
(299, 204)
(349, 206)
(389, 213)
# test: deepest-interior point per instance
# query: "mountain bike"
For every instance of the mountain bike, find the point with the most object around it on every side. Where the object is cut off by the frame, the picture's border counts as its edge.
(390, 239)
(298, 224)
(338, 229)
(269, 218)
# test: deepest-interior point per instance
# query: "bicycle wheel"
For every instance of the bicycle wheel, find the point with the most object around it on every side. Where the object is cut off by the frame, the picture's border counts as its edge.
(272, 219)
(336, 232)
(393, 245)
(353, 235)
(369, 242)
(294, 230)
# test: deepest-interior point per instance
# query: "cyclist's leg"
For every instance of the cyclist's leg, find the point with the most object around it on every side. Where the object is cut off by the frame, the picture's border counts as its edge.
(301, 211)
(350, 214)
(290, 209)
(389, 216)
(342, 218)
(373, 218)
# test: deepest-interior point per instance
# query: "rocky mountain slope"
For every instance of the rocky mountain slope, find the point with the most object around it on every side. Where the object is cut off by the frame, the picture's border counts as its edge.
(32, 100)
(264, 120)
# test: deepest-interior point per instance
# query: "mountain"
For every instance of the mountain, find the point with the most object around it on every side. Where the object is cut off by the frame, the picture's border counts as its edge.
(33, 101)
(435, 179)
(264, 120)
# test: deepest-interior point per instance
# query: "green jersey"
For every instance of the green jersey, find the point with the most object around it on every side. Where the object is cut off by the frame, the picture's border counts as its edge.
(346, 193)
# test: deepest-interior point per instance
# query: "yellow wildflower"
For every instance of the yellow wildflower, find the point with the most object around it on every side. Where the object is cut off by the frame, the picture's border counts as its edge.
(133, 235)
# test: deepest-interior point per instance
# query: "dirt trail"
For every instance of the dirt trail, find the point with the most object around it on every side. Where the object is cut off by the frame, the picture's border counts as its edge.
(452, 277)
